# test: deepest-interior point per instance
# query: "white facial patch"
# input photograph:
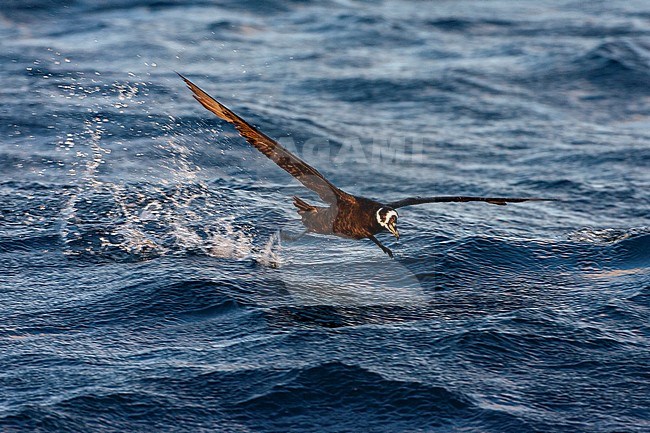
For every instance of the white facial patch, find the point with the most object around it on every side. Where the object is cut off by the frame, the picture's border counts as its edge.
(384, 221)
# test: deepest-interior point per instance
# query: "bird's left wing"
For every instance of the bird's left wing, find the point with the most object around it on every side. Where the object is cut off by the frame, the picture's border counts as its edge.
(296, 167)
(502, 201)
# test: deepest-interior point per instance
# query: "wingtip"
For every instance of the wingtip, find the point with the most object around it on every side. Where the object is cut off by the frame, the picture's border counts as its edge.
(183, 78)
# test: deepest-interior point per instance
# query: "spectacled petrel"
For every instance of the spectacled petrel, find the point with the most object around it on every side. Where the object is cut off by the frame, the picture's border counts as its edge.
(347, 216)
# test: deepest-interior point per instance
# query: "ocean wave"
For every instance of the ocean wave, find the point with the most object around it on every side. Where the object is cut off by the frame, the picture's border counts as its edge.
(434, 90)
(109, 411)
(620, 62)
(336, 395)
(614, 67)
(526, 28)
(138, 305)
(460, 24)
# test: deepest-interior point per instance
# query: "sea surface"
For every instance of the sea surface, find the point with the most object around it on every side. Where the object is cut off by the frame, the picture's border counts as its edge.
(145, 285)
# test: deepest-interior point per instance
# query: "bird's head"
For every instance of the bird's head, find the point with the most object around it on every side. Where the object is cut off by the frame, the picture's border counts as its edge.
(387, 218)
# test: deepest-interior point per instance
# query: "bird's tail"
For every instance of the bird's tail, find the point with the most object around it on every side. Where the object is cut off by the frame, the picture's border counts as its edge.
(303, 206)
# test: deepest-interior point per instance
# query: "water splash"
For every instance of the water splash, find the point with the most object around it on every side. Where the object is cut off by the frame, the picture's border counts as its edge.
(173, 211)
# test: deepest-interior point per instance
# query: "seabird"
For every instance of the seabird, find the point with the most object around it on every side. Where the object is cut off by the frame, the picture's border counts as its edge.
(347, 216)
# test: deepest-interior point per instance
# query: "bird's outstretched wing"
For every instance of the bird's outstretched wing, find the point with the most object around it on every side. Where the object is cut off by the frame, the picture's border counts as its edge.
(501, 201)
(296, 167)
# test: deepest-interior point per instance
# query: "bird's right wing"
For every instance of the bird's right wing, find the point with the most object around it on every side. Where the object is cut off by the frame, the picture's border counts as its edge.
(502, 201)
(296, 167)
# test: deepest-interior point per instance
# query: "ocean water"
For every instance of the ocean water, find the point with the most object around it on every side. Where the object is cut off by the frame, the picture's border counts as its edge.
(143, 283)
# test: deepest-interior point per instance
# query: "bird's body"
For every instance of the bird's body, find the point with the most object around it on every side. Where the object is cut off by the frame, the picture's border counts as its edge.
(346, 215)
(354, 218)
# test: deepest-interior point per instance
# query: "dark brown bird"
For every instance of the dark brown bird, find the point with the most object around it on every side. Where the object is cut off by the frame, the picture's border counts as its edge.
(347, 215)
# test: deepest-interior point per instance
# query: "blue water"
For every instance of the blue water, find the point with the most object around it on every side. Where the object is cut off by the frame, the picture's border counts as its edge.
(143, 285)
